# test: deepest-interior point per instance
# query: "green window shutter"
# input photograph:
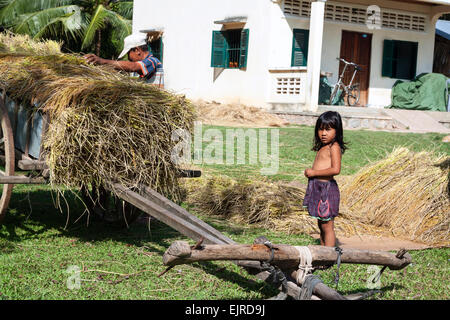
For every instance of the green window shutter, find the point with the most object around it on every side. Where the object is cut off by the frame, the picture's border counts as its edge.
(156, 48)
(300, 48)
(387, 69)
(219, 50)
(244, 49)
(399, 59)
(407, 60)
(161, 50)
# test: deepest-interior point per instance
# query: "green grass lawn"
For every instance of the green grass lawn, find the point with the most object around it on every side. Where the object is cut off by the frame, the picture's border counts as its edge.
(295, 153)
(36, 249)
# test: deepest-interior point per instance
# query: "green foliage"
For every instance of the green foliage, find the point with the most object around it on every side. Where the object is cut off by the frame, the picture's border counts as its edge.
(79, 23)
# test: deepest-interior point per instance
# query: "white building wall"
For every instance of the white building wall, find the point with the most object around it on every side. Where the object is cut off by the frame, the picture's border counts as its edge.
(188, 27)
(379, 87)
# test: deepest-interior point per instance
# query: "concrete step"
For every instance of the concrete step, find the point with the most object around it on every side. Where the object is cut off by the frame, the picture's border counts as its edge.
(352, 118)
(398, 120)
(417, 120)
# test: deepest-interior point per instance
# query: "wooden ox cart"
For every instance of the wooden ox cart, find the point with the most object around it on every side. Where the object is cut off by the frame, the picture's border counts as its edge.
(22, 158)
(21, 152)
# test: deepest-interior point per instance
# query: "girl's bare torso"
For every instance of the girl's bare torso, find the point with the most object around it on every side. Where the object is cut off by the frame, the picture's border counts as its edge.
(323, 161)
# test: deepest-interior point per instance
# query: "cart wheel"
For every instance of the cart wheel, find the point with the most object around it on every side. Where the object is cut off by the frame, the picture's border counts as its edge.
(7, 155)
(104, 206)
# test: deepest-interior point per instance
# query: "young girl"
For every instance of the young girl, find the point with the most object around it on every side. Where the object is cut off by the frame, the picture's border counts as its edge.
(322, 194)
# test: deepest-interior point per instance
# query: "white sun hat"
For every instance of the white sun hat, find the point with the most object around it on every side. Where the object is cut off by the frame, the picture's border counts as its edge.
(132, 41)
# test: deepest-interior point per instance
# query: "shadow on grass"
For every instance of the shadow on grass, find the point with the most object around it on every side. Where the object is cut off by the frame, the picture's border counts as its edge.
(32, 215)
(373, 293)
(231, 276)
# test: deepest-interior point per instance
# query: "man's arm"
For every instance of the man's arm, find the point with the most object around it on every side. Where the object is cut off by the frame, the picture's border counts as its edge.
(127, 66)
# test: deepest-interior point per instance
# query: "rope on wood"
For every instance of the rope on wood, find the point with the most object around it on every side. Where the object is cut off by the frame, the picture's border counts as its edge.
(308, 286)
(277, 276)
(338, 262)
(305, 265)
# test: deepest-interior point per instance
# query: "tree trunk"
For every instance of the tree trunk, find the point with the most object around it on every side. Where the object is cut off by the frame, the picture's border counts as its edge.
(98, 43)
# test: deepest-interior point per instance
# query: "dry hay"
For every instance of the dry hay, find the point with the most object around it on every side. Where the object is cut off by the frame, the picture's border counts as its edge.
(405, 195)
(236, 115)
(104, 125)
(11, 44)
(263, 203)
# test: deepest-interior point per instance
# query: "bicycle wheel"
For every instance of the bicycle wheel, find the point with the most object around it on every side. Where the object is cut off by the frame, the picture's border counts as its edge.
(353, 95)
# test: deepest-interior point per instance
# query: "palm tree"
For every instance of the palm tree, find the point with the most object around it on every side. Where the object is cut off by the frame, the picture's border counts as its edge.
(81, 23)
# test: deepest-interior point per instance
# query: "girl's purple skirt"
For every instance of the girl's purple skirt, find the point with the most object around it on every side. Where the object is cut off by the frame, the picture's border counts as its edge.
(322, 199)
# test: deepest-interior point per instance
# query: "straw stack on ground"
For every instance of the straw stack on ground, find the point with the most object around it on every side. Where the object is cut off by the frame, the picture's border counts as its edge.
(104, 125)
(215, 113)
(406, 194)
(263, 203)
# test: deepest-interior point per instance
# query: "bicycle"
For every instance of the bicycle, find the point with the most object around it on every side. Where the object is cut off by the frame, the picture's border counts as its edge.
(352, 91)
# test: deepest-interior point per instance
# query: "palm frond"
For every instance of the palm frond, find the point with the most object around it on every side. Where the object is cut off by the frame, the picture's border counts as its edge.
(71, 25)
(34, 23)
(124, 8)
(10, 10)
(122, 26)
(103, 16)
(98, 21)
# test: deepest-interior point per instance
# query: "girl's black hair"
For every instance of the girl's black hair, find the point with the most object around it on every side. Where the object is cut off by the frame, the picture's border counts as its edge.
(329, 119)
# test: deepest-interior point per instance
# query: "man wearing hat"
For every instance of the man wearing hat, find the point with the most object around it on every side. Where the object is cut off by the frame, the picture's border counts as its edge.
(140, 60)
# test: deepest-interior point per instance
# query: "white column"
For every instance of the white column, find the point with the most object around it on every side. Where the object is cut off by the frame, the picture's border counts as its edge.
(314, 54)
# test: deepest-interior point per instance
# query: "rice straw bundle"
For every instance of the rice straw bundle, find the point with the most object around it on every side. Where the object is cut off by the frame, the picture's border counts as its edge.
(236, 115)
(243, 200)
(407, 194)
(104, 125)
(264, 203)
(22, 44)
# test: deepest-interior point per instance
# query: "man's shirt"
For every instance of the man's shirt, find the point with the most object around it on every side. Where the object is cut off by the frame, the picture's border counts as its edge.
(152, 71)
(149, 65)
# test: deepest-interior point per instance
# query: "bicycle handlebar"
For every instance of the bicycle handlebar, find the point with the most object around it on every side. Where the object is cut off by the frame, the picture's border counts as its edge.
(346, 62)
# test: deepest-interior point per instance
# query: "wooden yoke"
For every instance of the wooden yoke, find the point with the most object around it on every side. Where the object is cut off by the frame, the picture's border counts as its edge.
(286, 257)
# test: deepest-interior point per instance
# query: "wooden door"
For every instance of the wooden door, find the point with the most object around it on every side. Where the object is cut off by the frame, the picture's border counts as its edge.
(356, 47)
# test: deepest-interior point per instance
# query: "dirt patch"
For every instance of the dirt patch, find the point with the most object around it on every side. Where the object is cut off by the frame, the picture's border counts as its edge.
(215, 113)
(369, 242)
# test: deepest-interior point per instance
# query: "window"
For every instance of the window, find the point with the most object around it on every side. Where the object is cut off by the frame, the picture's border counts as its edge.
(299, 48)
(399, 59)
(156, 48)
(229, 49)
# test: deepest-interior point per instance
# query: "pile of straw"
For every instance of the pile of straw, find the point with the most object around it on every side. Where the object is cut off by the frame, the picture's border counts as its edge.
(405, 195)
(104, 125)
(214, 113)
(243, 200)
(263, 203)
